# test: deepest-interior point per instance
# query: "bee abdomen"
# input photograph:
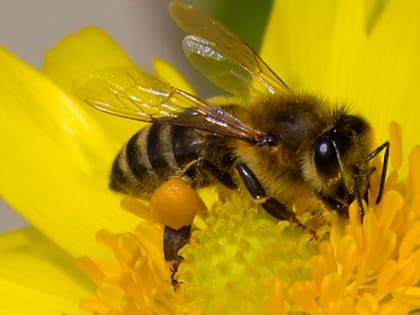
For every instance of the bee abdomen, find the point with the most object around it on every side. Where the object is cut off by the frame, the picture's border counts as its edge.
(151, 156)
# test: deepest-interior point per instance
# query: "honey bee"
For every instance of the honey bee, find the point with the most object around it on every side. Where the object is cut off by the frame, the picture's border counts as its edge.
(279, 145)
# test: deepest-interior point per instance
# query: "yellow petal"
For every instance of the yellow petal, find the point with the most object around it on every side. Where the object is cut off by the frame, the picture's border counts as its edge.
(303, 293)
(34, 273)
(332, 288)
(56, 159)
(78, 55)
(410, 295)
(347, 254)
(298, 41)
(367, 304)
(349, 41)
(17, 299)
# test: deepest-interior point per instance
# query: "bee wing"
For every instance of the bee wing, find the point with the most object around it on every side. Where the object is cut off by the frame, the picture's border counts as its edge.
(130, 93)
(221, 56)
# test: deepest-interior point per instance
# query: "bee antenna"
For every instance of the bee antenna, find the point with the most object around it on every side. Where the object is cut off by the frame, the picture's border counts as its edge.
(384, 146)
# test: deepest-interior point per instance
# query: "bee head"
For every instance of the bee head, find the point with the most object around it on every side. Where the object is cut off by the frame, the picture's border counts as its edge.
(340, 159)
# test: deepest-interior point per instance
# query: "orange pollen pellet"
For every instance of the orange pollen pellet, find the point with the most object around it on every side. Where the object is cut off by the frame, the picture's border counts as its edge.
(175, 203)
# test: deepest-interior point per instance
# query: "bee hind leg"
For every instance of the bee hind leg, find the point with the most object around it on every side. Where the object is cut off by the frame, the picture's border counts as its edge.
(174, 268)
(271, 205)
(173, 241)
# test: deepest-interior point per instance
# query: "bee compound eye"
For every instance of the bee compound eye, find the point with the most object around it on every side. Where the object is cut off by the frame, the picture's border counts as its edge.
(325, 158)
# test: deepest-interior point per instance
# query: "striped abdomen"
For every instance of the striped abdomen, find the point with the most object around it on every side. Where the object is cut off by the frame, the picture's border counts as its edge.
(152, 155)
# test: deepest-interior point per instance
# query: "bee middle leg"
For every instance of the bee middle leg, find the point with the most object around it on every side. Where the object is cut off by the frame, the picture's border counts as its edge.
(271, 205)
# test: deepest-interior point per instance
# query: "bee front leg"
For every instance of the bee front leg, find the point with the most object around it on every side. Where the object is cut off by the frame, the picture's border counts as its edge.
(331, 203)
(271, 205)
(341, 208)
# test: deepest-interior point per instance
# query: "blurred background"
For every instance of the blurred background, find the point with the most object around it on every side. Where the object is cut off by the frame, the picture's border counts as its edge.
(142, 27)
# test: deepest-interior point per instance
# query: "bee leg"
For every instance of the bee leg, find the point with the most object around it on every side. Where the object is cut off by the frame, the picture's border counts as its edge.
(359, 199)
(384, 146)
(174, 268)
(271, 205)
(219, 174)
(173, 241)
(337, 206)
(189, 174)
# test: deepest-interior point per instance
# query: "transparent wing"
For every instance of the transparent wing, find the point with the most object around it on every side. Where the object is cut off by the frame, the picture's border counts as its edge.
(221, 56)
(130, 93)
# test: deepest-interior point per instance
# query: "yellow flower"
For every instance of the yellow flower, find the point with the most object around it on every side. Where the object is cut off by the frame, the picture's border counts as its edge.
(55, 170)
